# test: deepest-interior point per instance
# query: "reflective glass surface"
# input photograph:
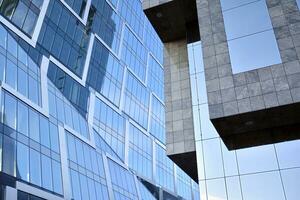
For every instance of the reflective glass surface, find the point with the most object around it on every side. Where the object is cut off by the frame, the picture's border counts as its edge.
(22, 13)
(251, 38)
(85, 133)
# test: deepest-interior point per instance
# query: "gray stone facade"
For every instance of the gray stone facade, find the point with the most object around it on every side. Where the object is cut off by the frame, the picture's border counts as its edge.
(259, 106)
(271, 86)
(179, 117)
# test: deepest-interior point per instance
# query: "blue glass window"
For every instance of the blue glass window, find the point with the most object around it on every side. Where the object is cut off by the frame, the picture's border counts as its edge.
(21, 13)
(10, 110)
(75, 185)
(57, 179)
(137, 100)
(44, 131)
(35, 167)
(34, 129)
(105, 73)
(9, 156)
(46, 172)
(22, 162)
(251, 38)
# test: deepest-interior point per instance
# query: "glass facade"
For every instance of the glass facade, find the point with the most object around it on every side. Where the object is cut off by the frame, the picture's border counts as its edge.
(263, 172)
(82, 112)
(250, 37)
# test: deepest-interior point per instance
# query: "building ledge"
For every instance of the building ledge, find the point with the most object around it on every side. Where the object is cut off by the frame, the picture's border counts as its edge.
(267, 126)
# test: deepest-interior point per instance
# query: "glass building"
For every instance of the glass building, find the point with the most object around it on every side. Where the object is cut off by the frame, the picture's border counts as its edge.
(82, 104)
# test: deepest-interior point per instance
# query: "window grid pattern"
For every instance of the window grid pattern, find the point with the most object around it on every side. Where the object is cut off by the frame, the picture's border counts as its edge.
(123, 182)
(107, 24)
(134, 54)
(61, 110)
(157, 127)
(164, 169)
(17, 68)
(71, 89)
(64, 37)
(105, 73)
(77, 5)
(140, 152)
(132, 12)
(136, 100)
(23, 13)
(184, 187)
(30, 145)
(86, 170)
(152, 42)
(145, 193)
(111, 126)
(156, 78)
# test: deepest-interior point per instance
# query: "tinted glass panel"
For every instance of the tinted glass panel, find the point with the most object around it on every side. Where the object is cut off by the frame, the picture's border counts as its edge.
(23, 162)
(254, 51)
(35, 167)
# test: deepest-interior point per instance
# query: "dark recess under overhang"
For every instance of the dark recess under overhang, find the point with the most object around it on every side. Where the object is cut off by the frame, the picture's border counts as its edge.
(174, 21)
(260, 127)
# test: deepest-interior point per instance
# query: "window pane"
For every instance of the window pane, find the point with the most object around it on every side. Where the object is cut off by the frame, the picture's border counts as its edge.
(216, 189)
(262, 186)
(12, 45)
(71, 148)
(34, 131)
(35, 167)
(240, 21)
(10, 111)
(46, 172)
(44, 127)
(291, 182)
(22, 118)
(75, 185)
(23, 162)
(253, 52)
(22, 82)
(233, 188)
(84, 187)
(257, 159)
(29, 23)
(20, 14)
(57, 180)
(33, 90)
(2, 63)
(54, 138)
(9, 155)
(213, 158)
(11, 74)
(287, 153)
